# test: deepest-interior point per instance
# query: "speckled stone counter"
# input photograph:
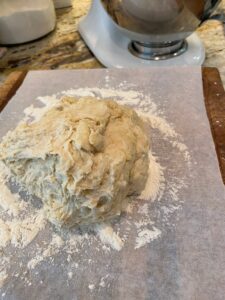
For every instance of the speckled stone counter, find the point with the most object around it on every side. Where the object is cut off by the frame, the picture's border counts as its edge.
(64, 48)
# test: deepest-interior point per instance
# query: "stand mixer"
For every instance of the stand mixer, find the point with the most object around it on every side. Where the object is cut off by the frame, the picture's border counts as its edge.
(131, 33)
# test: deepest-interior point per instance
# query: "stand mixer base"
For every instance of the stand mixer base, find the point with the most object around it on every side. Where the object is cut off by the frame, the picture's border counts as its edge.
(114, 49)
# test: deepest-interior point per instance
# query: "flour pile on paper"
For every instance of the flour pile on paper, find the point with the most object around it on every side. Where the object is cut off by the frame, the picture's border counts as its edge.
(144, 220)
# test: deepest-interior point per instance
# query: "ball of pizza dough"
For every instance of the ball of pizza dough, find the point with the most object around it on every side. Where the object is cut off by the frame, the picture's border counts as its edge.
(82, 158)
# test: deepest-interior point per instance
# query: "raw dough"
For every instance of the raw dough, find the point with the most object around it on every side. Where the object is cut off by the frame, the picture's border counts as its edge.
(82, 158)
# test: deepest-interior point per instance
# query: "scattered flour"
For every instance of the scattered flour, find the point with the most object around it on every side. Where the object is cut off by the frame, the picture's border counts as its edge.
(75, 241)
(35, 113)
(70, 275)
(102, 283)
(143, 209)
(167, 131)
(52, 249)
(182, 148)
(159, 123)
(145, 236)
(155, 182)
(129, 97)
(3, 278)
(143, 222)
(91, 287)
(109, 237)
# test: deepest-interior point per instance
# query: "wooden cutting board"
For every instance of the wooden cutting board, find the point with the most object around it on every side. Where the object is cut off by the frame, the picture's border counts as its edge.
(214, 96)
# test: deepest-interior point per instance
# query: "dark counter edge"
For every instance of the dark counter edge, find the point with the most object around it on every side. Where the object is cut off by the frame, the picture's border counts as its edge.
(10, 86)
(214, 96)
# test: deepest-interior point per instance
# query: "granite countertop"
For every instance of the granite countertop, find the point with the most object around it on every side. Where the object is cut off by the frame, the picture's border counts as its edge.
(64, 48)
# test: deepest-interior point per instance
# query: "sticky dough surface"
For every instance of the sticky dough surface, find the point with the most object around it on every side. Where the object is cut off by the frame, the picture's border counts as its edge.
(82, 158)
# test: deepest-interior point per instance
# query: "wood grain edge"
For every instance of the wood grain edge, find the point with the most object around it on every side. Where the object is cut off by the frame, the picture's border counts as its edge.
(10, 86)
(214, 95)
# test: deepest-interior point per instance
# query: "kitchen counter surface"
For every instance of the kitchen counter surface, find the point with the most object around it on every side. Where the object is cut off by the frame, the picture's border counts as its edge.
(64, 48)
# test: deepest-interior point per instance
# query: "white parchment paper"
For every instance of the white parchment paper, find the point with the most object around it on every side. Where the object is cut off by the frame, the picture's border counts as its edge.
(188, 260)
